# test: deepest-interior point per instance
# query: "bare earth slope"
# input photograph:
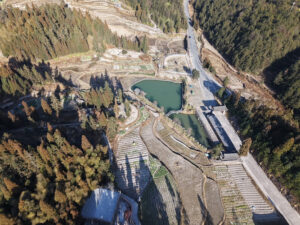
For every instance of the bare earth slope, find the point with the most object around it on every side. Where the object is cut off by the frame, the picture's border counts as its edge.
(188, 178)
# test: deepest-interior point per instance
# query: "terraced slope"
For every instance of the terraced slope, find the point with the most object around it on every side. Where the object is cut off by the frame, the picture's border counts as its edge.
(188, 178)
(160, 202)
(255, 201)
(132, 159)
(236, 209)
(118, 19)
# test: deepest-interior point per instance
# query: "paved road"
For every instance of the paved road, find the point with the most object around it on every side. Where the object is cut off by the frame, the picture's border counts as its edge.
(209, 86)
(270, 190)
(207, 83)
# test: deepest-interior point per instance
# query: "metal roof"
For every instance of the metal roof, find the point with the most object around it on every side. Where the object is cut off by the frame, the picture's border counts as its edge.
(101, 205)
(220, 108)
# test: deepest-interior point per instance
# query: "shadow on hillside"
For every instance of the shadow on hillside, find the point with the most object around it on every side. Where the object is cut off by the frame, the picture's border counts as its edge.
(268, 219)
(140, 185)
(280, 65)
(99, 82)
(206, 215)
(187, 70)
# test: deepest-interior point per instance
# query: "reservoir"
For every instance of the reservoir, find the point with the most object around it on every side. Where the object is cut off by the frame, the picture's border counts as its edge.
(190, 121)
(165, 93)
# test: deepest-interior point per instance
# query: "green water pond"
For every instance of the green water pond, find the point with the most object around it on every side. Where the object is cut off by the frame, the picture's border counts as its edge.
(165, 93)
(197, 130)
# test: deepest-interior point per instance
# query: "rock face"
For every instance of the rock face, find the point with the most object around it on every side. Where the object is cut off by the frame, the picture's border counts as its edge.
(132, 159)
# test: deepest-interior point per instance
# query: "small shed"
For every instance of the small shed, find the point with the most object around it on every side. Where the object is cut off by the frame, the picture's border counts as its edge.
(221, 108)
(101, 206)
(226, 156)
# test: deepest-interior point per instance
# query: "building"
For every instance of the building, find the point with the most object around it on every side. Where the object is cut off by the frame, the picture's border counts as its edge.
(225, 156)
(223, 109)
(106, 206)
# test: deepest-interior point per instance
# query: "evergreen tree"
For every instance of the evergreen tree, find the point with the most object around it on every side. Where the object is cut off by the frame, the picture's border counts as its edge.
(50, 31)
(46, 108)
(245, 147)
(56, 105)
(85, 144)
(195, 74)
(127, 107)
(249, 33)
(11, 116)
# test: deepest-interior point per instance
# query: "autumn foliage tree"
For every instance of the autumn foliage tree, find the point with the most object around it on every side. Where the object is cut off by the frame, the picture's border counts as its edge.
(274, 135)
(50, 181)
(245, 147)
(53, 30)
(46, 107)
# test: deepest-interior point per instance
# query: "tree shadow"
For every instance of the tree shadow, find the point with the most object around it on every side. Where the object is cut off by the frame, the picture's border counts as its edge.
(218, 126)
(152, 206)
(170, 188)
(138, 184)
(187, 70)
(185, 43)
(172, 192)
(129, 176)
(97, 82)
(280, 65)
(211, 86)
(206, 215)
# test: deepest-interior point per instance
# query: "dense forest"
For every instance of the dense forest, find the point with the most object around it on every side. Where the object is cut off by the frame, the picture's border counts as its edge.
(53, 149)
(284, 77)
(17, 79)
(167, 14)
(250, 34)
(52, 30)
(46, 176)
(276, 142)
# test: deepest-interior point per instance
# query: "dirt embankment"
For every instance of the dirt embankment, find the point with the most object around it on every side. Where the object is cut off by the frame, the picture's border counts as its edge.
(250, 86)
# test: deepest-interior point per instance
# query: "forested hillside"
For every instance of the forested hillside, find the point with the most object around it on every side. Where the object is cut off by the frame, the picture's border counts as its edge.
(47, 171)
(53, 151)
(286, 83)
(167, 14)
(276, 142)
(52, 30)
(250, 34)
(18, 79)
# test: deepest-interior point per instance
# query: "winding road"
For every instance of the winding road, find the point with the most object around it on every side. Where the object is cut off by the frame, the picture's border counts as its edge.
(210, 86)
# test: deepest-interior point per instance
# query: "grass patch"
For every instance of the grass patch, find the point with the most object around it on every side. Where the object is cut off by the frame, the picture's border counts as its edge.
(147, 74)
(162, 171)
(71, 56)
(143, 115)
